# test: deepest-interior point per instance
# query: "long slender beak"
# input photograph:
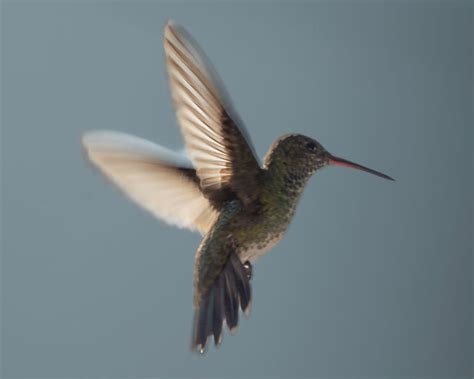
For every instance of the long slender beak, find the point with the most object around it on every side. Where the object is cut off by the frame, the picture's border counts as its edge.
(336, 161)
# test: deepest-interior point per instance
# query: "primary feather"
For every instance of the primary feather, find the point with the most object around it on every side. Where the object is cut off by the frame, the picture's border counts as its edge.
(215, 138)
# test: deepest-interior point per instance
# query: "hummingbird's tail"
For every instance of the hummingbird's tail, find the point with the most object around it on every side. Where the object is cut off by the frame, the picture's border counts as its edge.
(231, 289)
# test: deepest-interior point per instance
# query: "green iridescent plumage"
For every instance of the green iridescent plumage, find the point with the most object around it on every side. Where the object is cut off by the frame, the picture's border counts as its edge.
(242, 208)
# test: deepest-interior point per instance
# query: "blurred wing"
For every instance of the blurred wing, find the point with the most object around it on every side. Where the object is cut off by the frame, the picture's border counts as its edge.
(160, 181)
(216, 144)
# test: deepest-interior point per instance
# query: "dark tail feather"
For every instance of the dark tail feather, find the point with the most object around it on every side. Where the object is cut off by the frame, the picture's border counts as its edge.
(201, 326)
(242, 283)
(231, 289)
(218, 316)
(231, 299)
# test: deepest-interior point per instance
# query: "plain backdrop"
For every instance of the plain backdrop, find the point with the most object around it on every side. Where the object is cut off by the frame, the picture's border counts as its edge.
(373, 278)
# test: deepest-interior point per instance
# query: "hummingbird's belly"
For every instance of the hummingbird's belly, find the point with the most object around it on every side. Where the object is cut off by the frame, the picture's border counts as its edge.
(257, 233)
(256, 250)
(259, 237)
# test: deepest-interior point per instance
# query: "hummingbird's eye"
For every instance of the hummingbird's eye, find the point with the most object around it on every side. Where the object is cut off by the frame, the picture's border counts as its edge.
(311, 146)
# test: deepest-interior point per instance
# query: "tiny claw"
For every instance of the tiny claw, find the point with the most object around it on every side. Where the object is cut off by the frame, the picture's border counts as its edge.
(248, 269)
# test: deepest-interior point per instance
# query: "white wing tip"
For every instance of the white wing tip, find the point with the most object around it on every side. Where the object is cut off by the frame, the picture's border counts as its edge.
(102, 137)
(170, 23)
(171, 26)
(103, 140)
(122, 143)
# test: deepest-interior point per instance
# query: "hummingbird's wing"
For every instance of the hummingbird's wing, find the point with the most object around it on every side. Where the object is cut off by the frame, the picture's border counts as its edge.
(159, 180)
(215, 139)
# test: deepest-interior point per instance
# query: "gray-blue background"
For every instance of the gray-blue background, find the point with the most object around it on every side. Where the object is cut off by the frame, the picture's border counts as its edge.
(373, 277)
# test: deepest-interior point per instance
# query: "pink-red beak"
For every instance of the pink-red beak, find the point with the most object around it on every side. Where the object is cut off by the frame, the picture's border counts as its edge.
(336, 161)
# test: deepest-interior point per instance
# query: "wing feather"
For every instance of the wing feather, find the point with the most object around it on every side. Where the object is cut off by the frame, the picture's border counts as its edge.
(161, 181)
(215, 138)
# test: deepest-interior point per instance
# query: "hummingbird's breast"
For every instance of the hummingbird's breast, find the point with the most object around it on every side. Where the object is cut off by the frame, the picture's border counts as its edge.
(258, 227)
(257, 231)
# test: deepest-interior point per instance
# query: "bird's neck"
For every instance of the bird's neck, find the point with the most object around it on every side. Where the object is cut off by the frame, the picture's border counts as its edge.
(284, 182)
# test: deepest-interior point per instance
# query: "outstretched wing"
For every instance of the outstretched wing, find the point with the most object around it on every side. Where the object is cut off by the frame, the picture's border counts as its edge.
(215, 139)
(161, 181)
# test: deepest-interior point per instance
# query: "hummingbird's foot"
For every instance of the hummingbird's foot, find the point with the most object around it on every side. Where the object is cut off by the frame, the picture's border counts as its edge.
(248, 269)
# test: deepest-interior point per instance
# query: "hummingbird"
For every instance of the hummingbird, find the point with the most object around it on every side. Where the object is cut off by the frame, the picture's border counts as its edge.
(217, 186)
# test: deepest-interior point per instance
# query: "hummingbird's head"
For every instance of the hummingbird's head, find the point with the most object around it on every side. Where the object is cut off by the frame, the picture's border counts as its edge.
(307, 155)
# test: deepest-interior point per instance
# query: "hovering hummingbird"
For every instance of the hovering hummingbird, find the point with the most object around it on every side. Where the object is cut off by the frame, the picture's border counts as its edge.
(220, 189)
